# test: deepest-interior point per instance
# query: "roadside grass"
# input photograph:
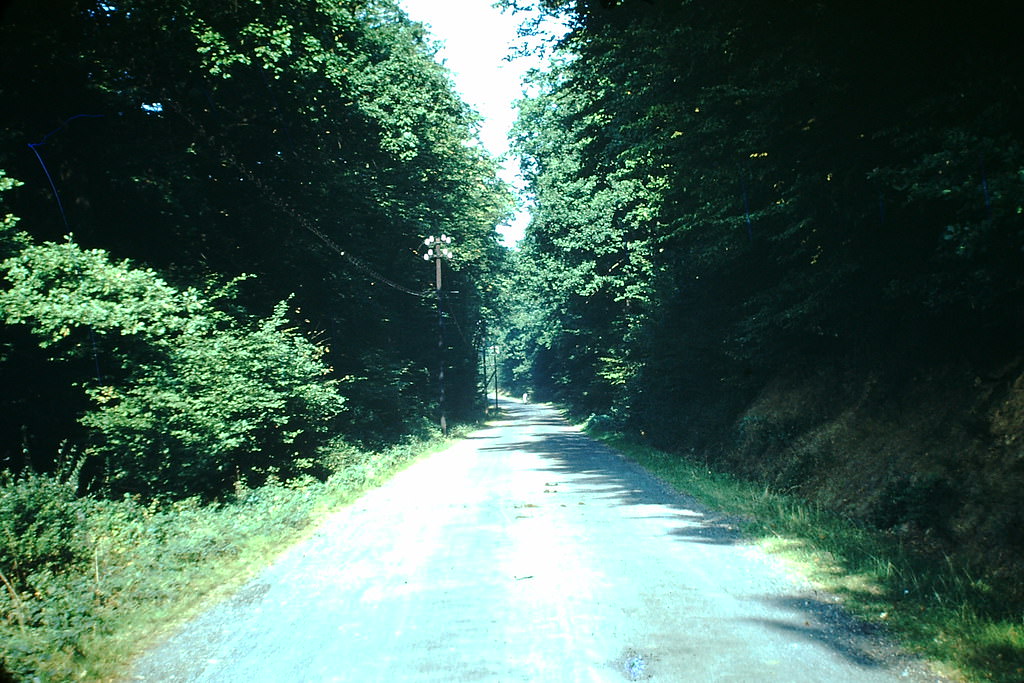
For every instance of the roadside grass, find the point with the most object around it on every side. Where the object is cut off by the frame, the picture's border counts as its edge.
(934, 608)
(147, 569)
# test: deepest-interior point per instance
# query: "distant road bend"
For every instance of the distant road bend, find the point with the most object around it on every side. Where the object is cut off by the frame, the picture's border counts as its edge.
(530, 553)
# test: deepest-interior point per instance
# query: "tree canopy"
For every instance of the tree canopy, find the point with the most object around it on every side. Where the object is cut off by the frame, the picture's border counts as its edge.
(306, 146)
(730, 185)
(786, 240)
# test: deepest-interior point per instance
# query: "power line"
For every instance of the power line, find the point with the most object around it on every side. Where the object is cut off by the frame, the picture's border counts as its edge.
(292, 211)
(34, 146)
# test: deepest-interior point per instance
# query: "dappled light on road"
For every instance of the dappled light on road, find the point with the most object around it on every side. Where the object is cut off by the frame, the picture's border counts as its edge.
(528, 552)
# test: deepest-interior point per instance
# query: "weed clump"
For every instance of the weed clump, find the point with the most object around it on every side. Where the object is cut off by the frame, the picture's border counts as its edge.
(39, 526)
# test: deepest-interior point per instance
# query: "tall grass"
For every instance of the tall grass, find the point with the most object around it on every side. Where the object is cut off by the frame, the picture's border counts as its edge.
(136, 571)
(932, 606)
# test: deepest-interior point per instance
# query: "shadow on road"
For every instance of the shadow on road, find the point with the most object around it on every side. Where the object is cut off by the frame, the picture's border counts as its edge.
(829, 625)
(600, 473)
(607, 475)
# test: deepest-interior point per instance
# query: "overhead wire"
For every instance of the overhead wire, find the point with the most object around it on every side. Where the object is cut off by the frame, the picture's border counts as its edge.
(34, 146)
(293, 212)
(268, 193)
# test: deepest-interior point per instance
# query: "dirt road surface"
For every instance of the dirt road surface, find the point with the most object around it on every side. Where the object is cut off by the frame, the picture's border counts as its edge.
(526, 553)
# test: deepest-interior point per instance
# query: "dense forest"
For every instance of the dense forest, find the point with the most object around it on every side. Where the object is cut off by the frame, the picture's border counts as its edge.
(784, 240)
(787, 239)
(215, 314)
(221, 209)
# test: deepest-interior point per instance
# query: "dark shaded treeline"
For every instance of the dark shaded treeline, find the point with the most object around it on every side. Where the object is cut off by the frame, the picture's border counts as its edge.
(208, 140)
(787, 237)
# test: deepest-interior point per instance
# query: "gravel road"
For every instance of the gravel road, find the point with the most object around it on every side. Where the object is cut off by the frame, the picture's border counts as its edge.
(530, 553)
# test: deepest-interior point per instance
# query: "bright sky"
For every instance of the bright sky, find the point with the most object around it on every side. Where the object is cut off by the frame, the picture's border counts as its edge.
(477, 38)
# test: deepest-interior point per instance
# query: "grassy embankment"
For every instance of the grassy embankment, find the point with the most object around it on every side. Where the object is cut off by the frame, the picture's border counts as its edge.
(932, 608)
(148, 567)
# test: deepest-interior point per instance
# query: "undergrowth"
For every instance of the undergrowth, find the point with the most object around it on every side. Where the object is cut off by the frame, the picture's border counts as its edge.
(87, 583)
(932, 606)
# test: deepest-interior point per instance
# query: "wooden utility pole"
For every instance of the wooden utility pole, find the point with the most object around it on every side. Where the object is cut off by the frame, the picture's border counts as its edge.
(437, 249)
(495, 349)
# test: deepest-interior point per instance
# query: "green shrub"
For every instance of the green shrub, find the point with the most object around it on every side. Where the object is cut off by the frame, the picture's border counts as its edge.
(219, 406)
(42, 552)
(40, 527)
(604, 424)
(199, 399)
